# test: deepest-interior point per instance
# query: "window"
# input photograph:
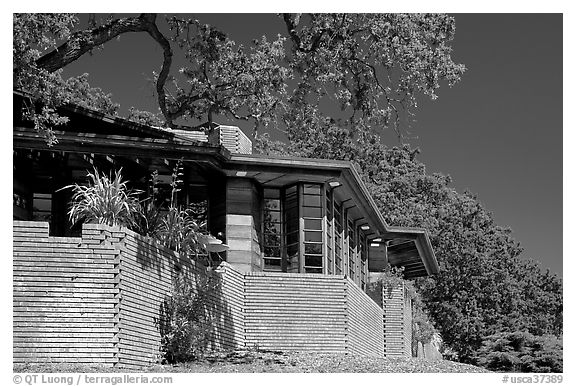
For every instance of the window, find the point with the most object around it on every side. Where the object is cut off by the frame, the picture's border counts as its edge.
(351, 250)
(363, 258)
(292, 230)
(272, 231)
(329, 233)
(305, 229)
(41, 207)
(312, 215)
(338, 230)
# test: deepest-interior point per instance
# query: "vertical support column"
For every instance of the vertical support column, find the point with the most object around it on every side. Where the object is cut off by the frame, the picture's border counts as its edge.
(243, 224)
(397, 322)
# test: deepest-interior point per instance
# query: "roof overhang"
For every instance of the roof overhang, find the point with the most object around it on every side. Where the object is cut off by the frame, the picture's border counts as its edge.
(416, 256)
(89, 131)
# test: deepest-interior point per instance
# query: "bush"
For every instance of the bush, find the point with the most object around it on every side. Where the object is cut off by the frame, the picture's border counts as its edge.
(521, 351)
(105, 200)
(185, 321)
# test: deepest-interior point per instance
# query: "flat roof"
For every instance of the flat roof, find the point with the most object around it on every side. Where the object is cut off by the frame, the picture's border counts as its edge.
(278, 171)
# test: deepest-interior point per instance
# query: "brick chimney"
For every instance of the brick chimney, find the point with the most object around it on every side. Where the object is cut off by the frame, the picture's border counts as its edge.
(232, 138)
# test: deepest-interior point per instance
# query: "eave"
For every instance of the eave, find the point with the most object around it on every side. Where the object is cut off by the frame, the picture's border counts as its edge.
(278, 171)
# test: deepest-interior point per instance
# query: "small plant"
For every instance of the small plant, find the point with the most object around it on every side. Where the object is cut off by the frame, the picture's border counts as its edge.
(185, 321)
(389, 279)
(105, 200)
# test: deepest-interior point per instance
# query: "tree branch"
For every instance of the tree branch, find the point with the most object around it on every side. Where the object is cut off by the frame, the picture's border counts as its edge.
(82, 42)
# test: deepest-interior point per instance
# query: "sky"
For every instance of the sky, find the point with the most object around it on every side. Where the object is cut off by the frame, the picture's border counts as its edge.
(497, 133)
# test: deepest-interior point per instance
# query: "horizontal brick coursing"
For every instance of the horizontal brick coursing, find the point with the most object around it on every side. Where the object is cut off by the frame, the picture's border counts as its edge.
(65, 297)
(98, 299)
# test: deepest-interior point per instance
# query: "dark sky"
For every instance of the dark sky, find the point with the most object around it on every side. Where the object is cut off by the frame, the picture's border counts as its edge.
(498, 132)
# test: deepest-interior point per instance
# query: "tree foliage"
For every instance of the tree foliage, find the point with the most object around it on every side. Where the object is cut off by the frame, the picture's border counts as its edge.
(371, 65)
(484, 286)
(521, 351)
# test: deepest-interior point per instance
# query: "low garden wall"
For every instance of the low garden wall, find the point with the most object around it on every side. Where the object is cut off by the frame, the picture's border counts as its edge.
(100, 298)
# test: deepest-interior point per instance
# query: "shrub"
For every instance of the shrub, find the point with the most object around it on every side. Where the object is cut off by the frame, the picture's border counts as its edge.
(521, 351)
(185, 321)
(105, 200)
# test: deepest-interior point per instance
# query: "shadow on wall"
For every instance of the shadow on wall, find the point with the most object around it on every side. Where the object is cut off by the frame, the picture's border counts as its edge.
(194, 317)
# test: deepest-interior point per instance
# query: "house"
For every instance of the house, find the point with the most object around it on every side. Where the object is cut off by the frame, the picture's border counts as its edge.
(307, 220)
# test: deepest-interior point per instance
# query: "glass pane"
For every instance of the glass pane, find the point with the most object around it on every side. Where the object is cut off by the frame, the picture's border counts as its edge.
(41, 207)
(312, 212)
(272, 227)
(272, 265)
(313, 261)
(313, 248)
(271, 239)
(292, 250)
(313, 224)
(291, 214)
(292, 238)
(311, 189)
(313, 270)
(312, 201)
(270, 251)
(272, 260)
(272, 204)
(313, 236)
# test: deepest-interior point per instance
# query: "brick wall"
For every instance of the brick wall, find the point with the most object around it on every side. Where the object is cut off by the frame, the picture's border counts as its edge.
(365, 322)
(65, 297)
(99, 299)
(397, 322)
(296, 312)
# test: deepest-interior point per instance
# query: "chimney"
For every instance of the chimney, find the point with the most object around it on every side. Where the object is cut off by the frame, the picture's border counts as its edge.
(232, 138)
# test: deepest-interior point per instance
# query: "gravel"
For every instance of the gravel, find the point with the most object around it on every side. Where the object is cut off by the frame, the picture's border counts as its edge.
(278, 362)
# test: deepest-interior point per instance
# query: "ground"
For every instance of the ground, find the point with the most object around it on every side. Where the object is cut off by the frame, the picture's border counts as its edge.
(277, 362)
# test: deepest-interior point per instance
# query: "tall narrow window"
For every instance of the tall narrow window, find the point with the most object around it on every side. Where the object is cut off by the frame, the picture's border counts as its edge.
(313, 242)
(292, 230)
(329, 231)
(338, 229)
(41, 207)
(272, 231)
(363, 258)
(351, 250)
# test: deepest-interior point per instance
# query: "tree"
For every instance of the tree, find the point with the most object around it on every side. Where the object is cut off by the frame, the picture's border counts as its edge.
(373, 64)
(521, 351)
(484, 286)
(221, 78)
